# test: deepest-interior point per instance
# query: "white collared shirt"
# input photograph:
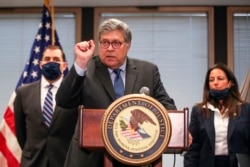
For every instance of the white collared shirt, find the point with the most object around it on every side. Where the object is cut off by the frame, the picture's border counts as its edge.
(44, 90)
(221, 129)
(122, 73)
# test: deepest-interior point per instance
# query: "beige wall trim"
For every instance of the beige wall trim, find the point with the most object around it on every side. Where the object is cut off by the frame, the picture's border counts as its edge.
(75, 10)
(230, 38)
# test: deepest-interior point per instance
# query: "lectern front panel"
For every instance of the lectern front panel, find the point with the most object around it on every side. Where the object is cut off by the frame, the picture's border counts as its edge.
(91, 137)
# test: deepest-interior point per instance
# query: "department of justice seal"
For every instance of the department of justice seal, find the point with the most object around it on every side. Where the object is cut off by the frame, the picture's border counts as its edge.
(136, 129)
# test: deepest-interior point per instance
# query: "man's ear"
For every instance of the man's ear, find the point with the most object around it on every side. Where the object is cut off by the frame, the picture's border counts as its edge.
(128, 45)
(40, 65)
(65, 65)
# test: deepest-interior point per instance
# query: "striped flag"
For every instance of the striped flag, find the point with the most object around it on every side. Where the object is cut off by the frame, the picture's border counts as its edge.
(10, 152)
(130, 133)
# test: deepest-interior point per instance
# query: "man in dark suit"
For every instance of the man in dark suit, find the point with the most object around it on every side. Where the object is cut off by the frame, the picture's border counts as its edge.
(91, 79)
(44, 143)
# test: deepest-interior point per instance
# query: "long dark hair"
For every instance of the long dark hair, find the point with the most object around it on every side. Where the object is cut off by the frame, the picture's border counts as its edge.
(231, 102)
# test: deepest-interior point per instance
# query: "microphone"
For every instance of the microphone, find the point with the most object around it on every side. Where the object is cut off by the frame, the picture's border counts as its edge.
(144, 90)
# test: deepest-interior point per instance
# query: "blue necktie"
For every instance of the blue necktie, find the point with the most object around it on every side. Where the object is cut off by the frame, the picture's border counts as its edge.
(118, 84)
(48, 106)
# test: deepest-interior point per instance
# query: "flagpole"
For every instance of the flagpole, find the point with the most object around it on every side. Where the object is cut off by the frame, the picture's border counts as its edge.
(50, 5)
(10, 151)
(52, 23)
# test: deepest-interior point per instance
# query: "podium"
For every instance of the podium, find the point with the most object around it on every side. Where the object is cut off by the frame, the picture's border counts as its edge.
(91, 137)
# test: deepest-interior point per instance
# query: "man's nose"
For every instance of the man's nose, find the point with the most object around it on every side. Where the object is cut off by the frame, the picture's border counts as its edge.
(110, 47)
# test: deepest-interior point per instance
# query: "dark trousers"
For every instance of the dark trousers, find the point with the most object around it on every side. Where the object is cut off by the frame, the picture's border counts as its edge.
(221, 161)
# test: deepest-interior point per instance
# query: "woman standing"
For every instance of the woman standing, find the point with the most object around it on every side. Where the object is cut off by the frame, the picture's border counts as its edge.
(220, 124)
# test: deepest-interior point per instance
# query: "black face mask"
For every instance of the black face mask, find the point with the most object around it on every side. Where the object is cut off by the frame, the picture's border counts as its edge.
(219, 94)
(51, 70)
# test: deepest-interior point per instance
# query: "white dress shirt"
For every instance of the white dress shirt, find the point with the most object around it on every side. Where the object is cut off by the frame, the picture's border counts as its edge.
(44, 90)
(221, 129)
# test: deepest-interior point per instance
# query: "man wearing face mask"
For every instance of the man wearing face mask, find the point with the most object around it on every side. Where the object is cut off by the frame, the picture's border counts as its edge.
(43, 129)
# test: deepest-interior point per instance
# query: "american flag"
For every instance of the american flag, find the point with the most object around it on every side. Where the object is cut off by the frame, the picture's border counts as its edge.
(129, 133)
(10, 152)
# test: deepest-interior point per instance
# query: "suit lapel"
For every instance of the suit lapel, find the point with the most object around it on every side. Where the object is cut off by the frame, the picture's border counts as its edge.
(131, 75)
(37, 95)
(231, 126)
(209, 124)
(55, 113)
(104, 77)
(37, 99)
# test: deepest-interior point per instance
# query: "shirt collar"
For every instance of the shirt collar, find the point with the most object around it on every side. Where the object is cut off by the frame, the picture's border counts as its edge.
(45, 83)
(122, 67)
(212, 108)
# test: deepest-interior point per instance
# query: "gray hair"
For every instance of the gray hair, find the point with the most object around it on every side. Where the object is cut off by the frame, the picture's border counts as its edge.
(115, 24)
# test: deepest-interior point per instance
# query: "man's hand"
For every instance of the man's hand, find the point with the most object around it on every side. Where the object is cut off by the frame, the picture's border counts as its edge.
(83, 52)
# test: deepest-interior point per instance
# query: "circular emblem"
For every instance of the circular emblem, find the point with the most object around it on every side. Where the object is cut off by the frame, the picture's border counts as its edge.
(136, 129)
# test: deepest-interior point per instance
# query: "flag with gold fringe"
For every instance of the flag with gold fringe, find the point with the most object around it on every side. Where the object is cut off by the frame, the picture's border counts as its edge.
(10, 152)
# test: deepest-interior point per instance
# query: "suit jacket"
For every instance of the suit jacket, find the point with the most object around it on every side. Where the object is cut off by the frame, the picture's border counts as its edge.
(95, 90)
(41, 146)
(201, 151)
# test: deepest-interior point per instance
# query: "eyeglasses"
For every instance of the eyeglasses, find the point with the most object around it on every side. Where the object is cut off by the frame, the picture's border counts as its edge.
(115, 44)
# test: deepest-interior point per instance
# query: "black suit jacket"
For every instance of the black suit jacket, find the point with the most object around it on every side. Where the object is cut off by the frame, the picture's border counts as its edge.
(201, 151)
(41, 145)
(95, 90)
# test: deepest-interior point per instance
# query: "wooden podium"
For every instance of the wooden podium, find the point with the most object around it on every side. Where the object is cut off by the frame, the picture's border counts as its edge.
(91, 137)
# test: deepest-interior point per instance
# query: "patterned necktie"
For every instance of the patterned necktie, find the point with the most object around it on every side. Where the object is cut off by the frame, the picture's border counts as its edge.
(118, 84)
(48, 106)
